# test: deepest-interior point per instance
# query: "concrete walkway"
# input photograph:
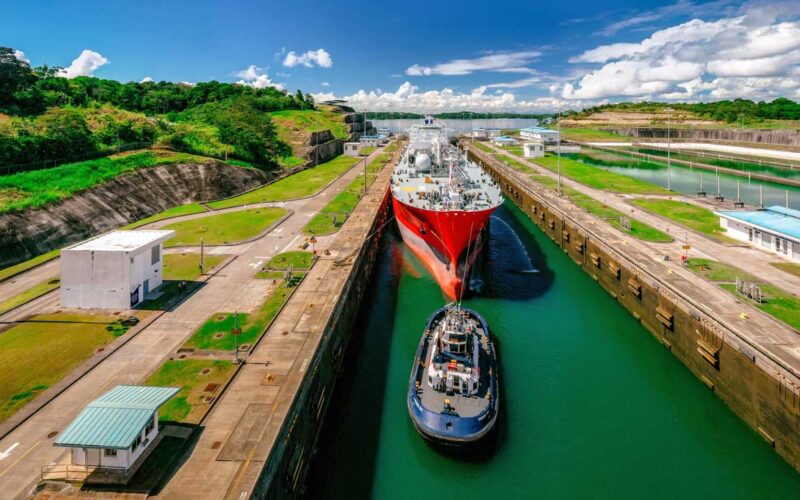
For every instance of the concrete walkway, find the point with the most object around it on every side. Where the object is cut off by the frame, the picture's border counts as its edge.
(236, 288)
(756, 261)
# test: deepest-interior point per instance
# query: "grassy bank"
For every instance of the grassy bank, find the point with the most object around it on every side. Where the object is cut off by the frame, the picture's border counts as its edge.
(192, 376)
(598, 178)
(40, 351)
(697, 218)
(189, 209)
(778, 303)
(333, 215)
(222, 229)
(299, 185)
(41, 187)
(31, 293)
(28, 264)
(590, 134)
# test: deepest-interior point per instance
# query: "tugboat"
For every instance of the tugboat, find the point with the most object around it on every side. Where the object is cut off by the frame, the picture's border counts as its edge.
(442, 203)
(453, 394)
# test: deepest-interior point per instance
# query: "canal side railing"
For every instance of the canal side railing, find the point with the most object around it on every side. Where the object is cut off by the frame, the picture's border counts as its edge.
(700, 166)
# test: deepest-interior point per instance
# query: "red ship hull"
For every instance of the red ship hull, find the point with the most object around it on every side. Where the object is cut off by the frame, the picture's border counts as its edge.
(448, 242)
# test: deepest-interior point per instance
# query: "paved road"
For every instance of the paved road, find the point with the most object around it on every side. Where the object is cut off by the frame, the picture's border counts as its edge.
(756, 261)
(235, 288)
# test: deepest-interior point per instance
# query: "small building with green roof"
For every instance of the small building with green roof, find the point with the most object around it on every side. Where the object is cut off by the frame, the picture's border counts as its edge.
(114, 431)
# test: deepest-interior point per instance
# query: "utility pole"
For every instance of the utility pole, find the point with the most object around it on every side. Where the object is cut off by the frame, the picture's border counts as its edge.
(202, 249)
(235, 331)
(761, 195)
(669, 149)
(558, 151)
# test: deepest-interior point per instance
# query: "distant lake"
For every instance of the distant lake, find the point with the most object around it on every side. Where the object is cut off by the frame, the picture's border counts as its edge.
(460, 126)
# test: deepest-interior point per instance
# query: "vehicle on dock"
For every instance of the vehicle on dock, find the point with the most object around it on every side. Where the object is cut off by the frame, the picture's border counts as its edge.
(453, 392)
(442, 202)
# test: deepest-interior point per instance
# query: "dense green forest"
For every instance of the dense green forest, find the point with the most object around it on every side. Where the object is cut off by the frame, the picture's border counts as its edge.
(44, 116)
(457, 115)
(724, 111)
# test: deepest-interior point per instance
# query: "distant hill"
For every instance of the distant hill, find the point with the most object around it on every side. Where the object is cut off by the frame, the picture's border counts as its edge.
(780, 112)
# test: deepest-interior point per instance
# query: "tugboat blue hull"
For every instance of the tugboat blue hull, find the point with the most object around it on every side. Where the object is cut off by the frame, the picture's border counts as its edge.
(448, 428)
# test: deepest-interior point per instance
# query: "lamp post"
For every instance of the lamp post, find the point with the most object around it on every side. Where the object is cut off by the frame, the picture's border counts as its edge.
(669, 148)
(235, 331)
(558, 151)
(202, 248)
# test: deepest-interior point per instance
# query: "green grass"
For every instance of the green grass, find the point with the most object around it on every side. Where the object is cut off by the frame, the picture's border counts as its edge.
(391, 148)
(186, 266)
(638, 230)
(787, 267)
(40, 351)
(309, 121)
(299, 185)
(16, 269)
(187, 406)
(483, 147)
(298, 260)
(42, 187)
(189, 209)
(291, 161)
(215, 334)
(598, 178)
(333, 215)
(227, 228)
(590, 134)
(687, 214)
(708, 159)
(514, 150)
(31, 293)
(367, 150)
(778, 303)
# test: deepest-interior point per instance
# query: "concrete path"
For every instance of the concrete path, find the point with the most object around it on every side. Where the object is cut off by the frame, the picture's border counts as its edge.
(233, 289)
(754, 260)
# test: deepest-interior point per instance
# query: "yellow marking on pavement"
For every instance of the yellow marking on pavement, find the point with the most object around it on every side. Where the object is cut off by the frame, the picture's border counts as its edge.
(15, 462)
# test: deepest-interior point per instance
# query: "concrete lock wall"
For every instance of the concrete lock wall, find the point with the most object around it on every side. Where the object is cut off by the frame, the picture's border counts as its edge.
(768, 402)
(284, 473)
(94, 280)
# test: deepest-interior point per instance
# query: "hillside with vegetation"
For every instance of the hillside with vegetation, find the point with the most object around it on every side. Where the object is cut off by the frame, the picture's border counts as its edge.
(454, 115)
(779, 113)
(46, 119)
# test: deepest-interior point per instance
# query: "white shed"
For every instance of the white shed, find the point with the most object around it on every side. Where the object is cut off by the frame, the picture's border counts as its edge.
(113, 271)
(533, 150)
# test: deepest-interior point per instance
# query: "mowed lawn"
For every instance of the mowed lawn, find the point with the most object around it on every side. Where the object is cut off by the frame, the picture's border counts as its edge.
(224, 228)
(304, 183)
(189, 209)
(590, 134)
(31, 293)
(10, 271)
(39, 352)
(698, 218)
(598, 178)
(192, 376)
(186, 266)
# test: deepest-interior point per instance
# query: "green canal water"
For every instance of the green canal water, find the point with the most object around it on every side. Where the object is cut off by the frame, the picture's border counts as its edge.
(592, 405)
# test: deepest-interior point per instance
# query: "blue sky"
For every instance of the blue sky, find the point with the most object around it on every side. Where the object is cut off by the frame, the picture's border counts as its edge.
(509, 56)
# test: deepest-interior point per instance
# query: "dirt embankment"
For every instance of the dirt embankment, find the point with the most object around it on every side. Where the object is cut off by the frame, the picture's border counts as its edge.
(636, 119)
(121, 201)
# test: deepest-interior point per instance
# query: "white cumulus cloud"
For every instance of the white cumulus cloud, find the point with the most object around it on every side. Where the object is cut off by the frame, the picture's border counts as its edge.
(147, 79)
(319, 57)
(408, 97)
(84, 65)
(257, 77)
(755, 54)
(21, 56)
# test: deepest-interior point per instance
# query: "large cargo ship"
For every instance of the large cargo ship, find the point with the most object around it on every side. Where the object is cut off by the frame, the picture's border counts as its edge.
(442, 202)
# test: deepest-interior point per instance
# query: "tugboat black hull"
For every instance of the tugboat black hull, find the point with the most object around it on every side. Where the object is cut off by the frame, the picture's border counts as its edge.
(454, 427)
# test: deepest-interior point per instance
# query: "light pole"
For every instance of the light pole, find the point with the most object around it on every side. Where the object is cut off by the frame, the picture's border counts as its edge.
(202, 248)
(669, 149)
(235, 331)
(558, 151)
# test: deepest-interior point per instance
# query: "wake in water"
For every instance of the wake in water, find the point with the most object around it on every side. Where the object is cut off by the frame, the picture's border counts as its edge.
(512, 265)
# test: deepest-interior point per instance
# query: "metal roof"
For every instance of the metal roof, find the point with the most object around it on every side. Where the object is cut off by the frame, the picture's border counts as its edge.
(116, 418)
(777, 219)
(124, 241)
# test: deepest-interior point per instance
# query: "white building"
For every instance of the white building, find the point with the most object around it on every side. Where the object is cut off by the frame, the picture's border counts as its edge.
(775, 229)
(113, 271)
(539, 134)
(504, 140)
(113, 435)
(533, 150)
(353, 148)
(371, 140)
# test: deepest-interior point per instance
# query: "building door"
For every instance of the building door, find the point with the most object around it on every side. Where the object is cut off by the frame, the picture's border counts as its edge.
(750, 234)
(93, 457)
(146, 287)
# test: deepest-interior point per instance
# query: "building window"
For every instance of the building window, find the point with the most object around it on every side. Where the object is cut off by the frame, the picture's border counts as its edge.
(137, 442)
(109, 452)
(750, 234)
(155, 254)
(150, 425)
(777, 244)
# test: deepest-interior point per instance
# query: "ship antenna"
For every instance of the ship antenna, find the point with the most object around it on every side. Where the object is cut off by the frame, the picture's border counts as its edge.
(464, 276)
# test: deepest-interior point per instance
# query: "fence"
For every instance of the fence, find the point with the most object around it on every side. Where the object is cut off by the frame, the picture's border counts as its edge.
(704, 154)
